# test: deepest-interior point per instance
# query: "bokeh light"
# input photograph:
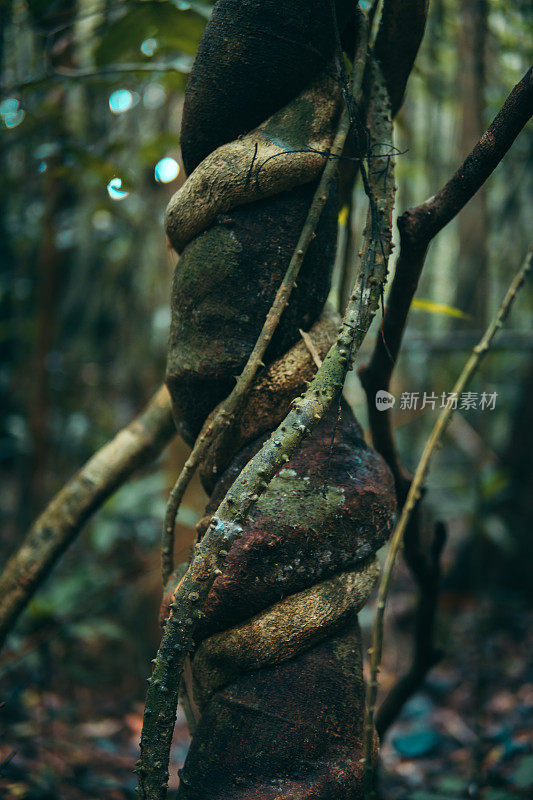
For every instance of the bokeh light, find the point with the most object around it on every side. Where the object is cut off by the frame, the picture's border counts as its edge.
(11, 112)
(166, 170)
(115, 190)
(149, 46)
(122, 100)
(183, 63)
(154, 96)
(102, 220)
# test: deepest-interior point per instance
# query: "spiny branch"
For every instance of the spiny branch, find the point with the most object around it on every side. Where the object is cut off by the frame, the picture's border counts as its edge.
(418, 226)
(62, 520)
(473, 363)
(226, 524)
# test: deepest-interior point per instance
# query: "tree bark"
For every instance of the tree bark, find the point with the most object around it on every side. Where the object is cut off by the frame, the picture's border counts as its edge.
(472, 293)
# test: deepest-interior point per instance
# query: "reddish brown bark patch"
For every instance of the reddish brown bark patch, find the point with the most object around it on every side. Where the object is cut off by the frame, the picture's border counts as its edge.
(331, 507)
(292, 731)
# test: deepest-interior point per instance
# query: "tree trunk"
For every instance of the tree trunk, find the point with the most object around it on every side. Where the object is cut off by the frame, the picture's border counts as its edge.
(473, 259)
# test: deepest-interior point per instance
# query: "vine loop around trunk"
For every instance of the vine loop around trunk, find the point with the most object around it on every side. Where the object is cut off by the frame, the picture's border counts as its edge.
(229, 523)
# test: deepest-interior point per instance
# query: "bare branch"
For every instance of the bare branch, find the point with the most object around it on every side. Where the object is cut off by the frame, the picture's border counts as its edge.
(417, 228)
(425, 570)
(64, 517)
(478, 353)
(57, 76)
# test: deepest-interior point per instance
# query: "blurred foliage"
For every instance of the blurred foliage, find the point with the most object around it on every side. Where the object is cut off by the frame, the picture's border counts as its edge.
(174, 30)
(84, 284)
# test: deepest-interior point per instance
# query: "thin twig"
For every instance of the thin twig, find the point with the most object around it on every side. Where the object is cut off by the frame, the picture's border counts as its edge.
(228, 410)
(62, 520)
(425, 569)
(88, 74)
(7, 760)
(226, 524)
(418, 226)
(478, 353)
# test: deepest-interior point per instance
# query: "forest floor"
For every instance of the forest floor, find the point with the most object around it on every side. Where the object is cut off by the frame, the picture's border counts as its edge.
(466, 734)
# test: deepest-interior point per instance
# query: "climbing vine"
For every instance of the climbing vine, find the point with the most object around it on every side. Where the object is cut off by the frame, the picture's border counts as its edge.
(264, 485)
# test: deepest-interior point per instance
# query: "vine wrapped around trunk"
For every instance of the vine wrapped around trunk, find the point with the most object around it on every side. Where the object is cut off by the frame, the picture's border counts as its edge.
(263, 624)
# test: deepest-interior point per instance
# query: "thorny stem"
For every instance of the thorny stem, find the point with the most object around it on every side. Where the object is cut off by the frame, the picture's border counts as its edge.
(375, 651)
(228, 411)
(226, 525)
(417, 227)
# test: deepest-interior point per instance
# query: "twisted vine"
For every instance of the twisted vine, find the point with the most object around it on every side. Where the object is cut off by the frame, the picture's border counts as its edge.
(219, 425)
(262, 625)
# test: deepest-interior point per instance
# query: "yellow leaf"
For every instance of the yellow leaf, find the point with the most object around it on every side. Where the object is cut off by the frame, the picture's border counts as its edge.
(343, 215)
(439, 308)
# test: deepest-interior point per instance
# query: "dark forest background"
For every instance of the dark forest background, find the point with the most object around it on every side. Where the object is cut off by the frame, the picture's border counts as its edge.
(90, 116)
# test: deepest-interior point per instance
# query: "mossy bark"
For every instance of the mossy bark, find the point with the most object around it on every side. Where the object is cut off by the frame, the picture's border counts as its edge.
(306, 503)
(254, 58)
(224, 284)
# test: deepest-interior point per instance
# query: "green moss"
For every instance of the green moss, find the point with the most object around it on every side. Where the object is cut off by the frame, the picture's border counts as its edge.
(302, 505)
